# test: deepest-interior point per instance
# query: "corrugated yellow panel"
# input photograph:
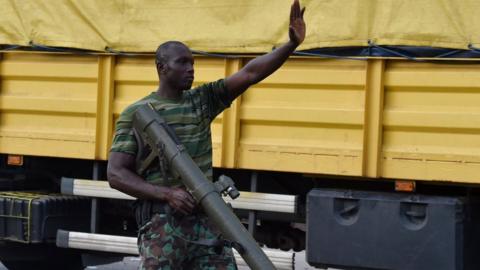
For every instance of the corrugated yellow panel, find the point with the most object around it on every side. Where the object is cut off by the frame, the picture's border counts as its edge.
(432, 121)
(48, 105)
(134, 78)
(306, 117)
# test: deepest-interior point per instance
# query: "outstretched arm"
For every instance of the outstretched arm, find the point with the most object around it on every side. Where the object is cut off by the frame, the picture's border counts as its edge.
(262, 66)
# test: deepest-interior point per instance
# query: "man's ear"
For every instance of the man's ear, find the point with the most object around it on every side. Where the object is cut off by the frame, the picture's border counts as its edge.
(161, 68)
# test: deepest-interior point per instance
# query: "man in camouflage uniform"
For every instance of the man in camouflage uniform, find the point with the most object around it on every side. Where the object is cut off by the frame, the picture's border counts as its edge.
(170, 238)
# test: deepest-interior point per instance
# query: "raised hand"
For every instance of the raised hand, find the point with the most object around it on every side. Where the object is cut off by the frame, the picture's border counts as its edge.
(297, 28)
(262, 66)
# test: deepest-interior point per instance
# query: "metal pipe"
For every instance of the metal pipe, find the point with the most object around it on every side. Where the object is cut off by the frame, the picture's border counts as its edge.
(252, 214)
(94, 213)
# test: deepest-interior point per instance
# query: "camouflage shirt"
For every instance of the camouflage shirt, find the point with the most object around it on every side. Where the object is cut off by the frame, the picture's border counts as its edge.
(190, 116)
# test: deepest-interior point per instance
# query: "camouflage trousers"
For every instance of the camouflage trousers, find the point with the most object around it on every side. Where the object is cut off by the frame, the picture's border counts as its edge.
(162, 244)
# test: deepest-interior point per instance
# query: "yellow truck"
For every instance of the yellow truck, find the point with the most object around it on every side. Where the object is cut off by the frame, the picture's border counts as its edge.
(374, 121)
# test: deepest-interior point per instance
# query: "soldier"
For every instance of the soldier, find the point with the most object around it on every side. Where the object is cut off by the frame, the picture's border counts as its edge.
(172, 227)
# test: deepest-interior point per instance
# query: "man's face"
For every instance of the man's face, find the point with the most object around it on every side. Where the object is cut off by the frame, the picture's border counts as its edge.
(178, 69)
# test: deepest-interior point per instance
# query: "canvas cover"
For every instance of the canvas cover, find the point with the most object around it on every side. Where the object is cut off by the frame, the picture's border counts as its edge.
(237, 26)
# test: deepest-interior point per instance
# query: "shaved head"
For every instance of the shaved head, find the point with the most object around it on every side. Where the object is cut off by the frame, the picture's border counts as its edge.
(162, 52)
(174, 62)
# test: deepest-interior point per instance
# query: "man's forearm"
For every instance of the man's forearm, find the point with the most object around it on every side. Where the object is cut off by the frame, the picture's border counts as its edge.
(258, 69)
(262, 66)
(121, 176)
(130, 183)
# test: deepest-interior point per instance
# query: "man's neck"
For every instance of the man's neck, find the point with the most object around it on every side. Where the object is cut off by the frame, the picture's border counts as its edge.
(166, 91)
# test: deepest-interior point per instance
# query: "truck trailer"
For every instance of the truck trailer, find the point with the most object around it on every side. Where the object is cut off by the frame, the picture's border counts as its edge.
(363, 149)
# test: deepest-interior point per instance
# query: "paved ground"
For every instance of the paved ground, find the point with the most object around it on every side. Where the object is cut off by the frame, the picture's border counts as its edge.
(131, 263)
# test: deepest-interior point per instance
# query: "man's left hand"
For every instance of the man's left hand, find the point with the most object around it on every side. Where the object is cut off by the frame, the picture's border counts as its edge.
(297, 27)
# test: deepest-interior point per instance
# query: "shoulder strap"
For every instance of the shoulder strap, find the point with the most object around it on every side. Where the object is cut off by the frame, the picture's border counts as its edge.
(142, 162)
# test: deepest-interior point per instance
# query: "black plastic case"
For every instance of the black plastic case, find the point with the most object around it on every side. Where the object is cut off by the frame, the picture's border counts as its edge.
(35, 218)
(372, 230)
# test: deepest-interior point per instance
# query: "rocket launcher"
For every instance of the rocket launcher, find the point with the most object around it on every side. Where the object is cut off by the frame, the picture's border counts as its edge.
(162, 140)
